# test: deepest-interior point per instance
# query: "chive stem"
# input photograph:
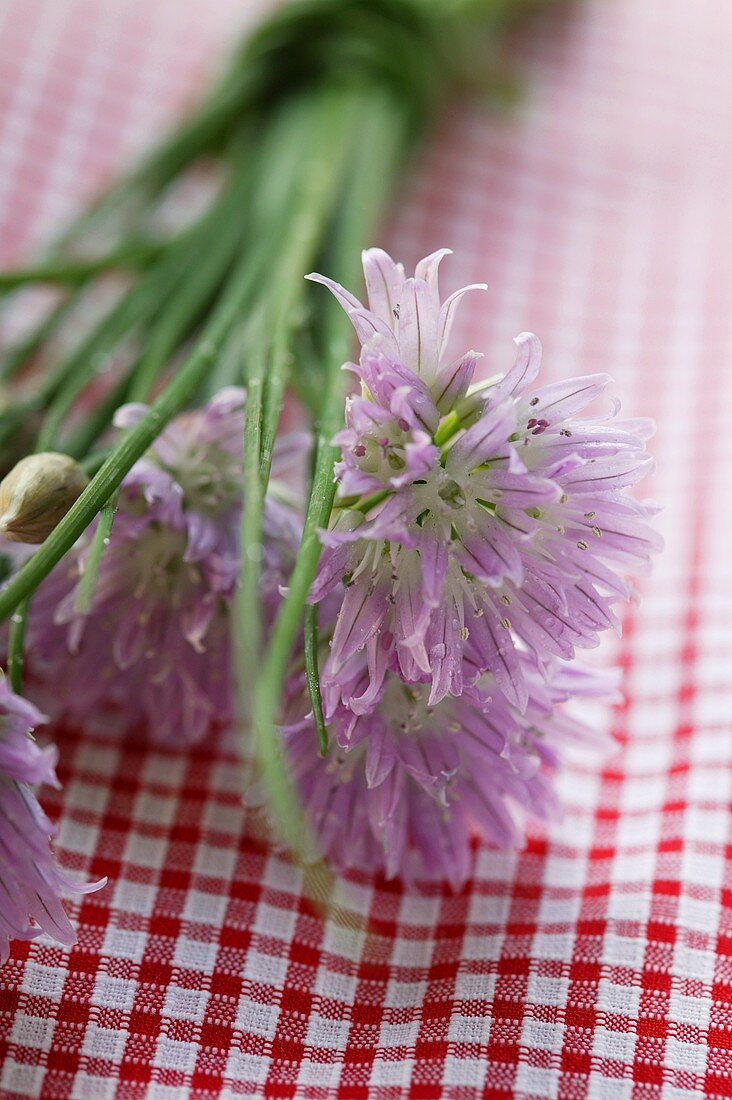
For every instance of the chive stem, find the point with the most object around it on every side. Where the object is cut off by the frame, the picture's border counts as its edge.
(88, 581)
(312, 675)
(16, 643)
(71, 272)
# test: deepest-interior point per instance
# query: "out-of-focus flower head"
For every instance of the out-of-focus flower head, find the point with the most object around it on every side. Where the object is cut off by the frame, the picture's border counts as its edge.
(155, 640)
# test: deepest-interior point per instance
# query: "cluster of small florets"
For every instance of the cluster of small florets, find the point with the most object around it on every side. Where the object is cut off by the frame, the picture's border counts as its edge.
(154, 644)
(480, 537)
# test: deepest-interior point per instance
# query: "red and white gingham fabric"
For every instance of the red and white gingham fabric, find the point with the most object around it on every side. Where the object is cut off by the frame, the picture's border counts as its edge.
(597, 962)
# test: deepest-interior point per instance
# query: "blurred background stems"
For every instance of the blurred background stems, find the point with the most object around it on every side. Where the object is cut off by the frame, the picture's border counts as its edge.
(308, 128)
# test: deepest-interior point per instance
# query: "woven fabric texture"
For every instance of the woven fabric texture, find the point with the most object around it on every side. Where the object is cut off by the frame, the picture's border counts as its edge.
(596, 962)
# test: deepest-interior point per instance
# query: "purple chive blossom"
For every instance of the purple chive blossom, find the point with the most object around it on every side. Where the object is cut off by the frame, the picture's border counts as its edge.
(30, 881)
(155, 643)
(406, 786)
(471, 523)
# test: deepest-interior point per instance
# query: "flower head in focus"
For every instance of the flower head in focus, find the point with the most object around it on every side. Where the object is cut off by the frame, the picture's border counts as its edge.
(472, 522)
(155, 641)
(30, 881)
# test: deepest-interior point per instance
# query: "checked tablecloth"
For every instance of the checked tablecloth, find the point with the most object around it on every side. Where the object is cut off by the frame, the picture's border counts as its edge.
(597, 962)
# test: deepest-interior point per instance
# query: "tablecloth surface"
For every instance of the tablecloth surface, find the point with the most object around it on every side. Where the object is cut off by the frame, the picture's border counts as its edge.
(596, 962)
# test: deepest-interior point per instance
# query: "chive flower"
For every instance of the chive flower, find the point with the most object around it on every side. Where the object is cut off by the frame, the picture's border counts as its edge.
(154, 642)
(472, 522)
(407, 785)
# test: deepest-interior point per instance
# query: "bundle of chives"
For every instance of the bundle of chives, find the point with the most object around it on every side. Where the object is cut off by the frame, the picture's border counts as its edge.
(311, 122)
(310, 126)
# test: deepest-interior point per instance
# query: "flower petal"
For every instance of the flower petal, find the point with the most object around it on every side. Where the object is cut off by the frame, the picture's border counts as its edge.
(483, 441)
(448, 312)
(384, 280)
(418, 330)
(524, 370)
(452, 381)
(362, 612)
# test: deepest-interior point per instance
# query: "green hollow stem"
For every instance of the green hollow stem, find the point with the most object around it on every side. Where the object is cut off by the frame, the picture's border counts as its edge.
(312, 675)
(133, 445)
(88, 581)
(71, 272)
(314, 200)
(379, 151)
(313, 179)
(247, 615)
(16, 643)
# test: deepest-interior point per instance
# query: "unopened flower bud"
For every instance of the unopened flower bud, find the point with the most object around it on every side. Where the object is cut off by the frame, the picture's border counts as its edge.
(37, 494)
